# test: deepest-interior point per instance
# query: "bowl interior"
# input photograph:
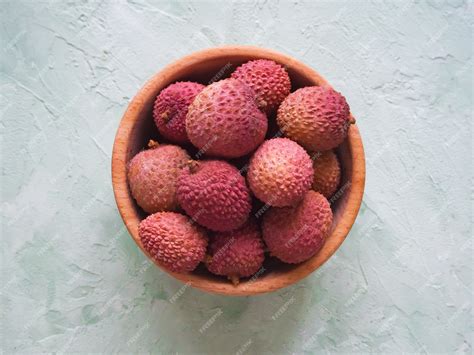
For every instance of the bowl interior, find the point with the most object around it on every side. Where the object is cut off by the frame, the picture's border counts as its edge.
(137, 128)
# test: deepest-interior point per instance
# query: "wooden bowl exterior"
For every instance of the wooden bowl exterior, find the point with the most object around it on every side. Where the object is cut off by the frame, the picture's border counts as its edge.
(137, 126)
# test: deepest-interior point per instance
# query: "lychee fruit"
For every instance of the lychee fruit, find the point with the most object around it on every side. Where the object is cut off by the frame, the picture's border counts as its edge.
(236, 254)
(152, 177)
(316, 117)
(269, 81)
(171, 108)
(295, 234)
(173, 241)
(214, 194)
(327, 173)
(224, 120)
(280, 172)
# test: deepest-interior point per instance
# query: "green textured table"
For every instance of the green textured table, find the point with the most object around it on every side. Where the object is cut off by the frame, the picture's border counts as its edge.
(73, 281)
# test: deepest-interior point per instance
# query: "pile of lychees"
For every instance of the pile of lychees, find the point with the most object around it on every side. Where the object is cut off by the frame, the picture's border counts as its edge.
(203, 208)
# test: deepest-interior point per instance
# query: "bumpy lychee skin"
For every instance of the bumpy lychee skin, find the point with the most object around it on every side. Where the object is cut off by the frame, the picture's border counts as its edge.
(327, 173)
(173, 241)
(269, 81)
(171, 108)
(295, 234)
(236, 254)
(316, 117)
(224, 120)
(280, 172)
(152, 177)
(214, 194)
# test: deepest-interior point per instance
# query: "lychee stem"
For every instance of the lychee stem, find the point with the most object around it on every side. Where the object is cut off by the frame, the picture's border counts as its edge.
(193, 165)
(207, 259)
(352, 121)
(234, 278)
(165, 116)
(262, 104)
(153, 144)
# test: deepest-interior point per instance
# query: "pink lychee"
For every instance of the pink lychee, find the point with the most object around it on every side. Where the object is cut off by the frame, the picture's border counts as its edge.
(236, 254)
(224, 120)
(295, 234)
(268, 79)
(171, 108)
(173, 241)
(214, 194)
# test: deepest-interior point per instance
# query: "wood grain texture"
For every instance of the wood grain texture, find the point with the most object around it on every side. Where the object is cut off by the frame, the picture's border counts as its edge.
(213, 64)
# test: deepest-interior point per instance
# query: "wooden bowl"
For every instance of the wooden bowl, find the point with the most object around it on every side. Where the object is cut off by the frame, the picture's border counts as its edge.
(137, 127)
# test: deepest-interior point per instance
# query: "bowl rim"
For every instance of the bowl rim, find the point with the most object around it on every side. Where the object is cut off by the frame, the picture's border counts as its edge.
(126, 204)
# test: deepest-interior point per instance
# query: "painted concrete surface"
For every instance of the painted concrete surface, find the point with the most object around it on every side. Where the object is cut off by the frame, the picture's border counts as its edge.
(72, 281)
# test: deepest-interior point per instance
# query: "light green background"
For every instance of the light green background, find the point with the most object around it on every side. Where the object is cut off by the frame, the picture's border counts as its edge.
(73, 281)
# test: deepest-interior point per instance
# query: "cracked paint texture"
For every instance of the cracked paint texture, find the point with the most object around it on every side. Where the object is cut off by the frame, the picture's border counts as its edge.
(72, 281)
